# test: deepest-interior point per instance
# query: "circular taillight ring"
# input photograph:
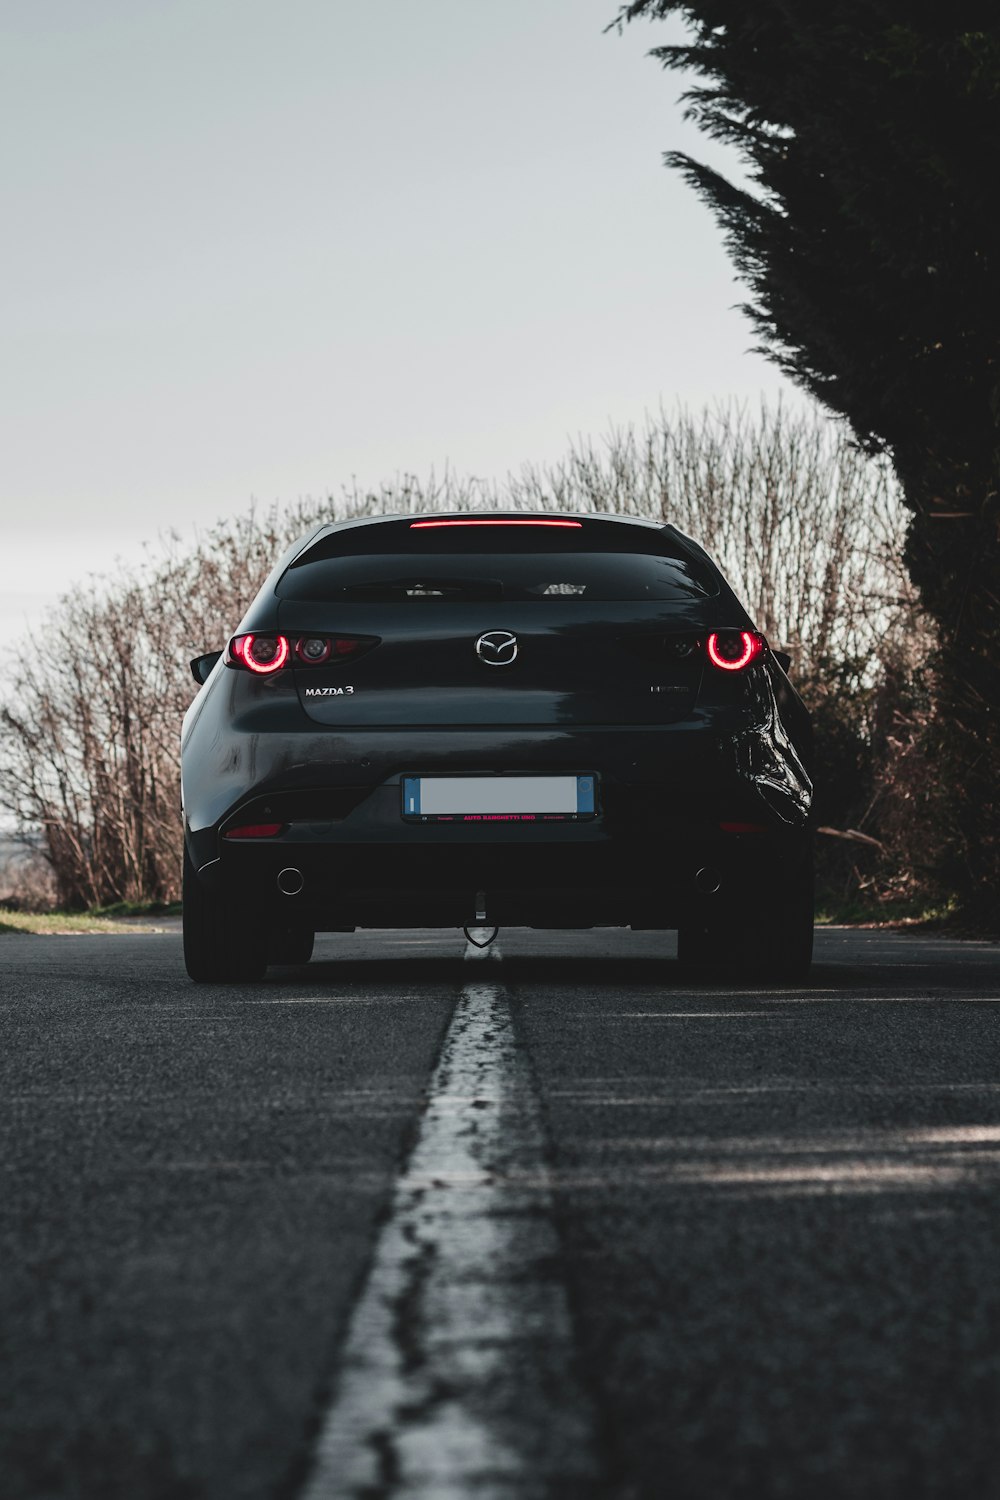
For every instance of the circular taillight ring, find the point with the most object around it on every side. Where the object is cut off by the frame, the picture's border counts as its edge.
(313, 661)
(750, 646)
(263, 668)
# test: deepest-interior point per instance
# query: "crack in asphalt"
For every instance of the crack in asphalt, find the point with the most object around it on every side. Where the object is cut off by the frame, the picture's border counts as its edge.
(458, 1371)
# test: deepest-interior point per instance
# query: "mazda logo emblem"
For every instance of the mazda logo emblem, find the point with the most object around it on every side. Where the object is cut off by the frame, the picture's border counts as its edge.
(497, 648)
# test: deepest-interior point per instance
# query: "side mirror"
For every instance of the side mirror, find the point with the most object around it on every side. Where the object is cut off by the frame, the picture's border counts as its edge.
(784, 660)
(202, 665)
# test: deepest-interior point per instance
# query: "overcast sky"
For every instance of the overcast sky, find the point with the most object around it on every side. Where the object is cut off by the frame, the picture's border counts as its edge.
(253, 249)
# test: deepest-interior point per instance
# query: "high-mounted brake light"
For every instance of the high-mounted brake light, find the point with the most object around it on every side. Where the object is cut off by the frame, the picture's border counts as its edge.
(420, 525)
(733, 650)
(254, 831)
(260, 653)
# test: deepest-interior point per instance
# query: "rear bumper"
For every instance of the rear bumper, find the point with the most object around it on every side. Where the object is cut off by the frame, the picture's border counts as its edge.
(656, 875)
(663, 793)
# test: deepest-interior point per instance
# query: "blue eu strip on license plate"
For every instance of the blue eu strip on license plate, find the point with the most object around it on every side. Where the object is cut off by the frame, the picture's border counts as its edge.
(512, 799)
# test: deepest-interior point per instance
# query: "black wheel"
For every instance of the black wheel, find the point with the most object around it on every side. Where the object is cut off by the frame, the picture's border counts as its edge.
(219, 948)
(694, 944)
(774, 941)
(781, 943)
(292, 945)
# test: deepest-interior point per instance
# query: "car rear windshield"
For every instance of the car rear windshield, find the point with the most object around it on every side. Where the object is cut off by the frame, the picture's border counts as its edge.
(523, 564)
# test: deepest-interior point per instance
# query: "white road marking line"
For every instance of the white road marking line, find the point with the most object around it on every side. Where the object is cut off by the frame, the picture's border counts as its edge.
(337, 1000)
(695, 1015)
(457, 1375)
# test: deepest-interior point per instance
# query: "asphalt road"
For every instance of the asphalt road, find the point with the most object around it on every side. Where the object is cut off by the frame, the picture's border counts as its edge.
(554, 1221)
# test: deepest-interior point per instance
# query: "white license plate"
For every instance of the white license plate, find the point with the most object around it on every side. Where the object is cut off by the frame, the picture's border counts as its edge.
(494, 798)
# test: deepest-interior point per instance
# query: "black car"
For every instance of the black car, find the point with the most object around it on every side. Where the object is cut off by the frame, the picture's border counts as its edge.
(492, 719)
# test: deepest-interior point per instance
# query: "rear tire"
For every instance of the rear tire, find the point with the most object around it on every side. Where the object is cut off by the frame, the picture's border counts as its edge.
(694, 944)
(219, 947)
(783, 941)
(294, 945)
(775, 942)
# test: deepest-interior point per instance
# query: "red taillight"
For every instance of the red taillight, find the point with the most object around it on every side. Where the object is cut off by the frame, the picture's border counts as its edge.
(314, 650)
(254, 831)
(421, 525)
(264, 654)
(260, 653)
(743, 827)
(732, 650)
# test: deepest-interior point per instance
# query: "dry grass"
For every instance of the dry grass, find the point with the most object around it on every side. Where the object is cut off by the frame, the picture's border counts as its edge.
(62, 922)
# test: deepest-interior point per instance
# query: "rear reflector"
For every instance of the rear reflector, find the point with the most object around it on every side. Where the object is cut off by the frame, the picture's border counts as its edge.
(254, 831)
(743, 827)
(420, 525)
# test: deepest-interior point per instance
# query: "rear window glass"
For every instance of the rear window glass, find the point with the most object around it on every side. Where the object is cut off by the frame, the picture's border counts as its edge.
(601, 561)
(501, 576)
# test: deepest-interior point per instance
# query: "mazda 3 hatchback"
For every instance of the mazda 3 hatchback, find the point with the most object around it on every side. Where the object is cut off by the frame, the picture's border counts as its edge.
(494, 719)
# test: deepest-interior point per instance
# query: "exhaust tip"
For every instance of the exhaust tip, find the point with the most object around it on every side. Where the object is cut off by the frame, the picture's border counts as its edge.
(707, 880)
(291, 881)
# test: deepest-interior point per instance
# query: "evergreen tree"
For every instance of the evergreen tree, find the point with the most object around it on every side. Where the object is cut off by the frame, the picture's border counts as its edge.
(870, 243)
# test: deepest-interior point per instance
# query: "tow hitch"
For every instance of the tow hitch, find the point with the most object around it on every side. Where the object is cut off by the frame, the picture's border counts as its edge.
(476, 943)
